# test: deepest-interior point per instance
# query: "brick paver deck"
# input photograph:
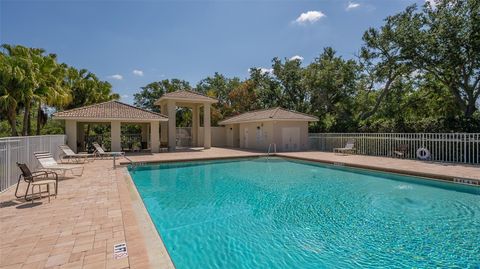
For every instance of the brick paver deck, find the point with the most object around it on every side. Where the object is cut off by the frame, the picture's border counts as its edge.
(94, 212)
(77, 229)
(445, 171)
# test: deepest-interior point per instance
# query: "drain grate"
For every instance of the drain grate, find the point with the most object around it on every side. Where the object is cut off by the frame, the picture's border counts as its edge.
(120, 251)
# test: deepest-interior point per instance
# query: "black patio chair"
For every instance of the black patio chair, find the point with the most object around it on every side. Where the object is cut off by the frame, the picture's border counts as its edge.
(34, 178)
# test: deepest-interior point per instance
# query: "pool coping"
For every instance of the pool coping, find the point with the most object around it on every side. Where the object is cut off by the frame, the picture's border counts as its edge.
(424, 175)
(253, 155)
(157, 252)
(429, 176)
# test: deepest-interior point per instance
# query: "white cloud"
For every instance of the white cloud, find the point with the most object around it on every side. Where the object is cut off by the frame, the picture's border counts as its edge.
(352, 5)
(266, 70)
(263, 70)
(433, 3)
(124, 96)
(116, 76)
(137, 72)
(309, 17)
(296, 57)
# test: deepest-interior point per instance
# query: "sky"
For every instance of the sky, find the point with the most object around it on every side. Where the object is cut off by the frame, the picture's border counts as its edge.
(132, 43)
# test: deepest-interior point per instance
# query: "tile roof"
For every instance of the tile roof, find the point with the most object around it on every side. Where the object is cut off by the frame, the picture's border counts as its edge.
(187, 94)
(277, 113)
(109, 110)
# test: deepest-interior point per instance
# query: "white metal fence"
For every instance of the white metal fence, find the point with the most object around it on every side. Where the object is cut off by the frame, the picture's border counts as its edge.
(443, 147)
(21, 149)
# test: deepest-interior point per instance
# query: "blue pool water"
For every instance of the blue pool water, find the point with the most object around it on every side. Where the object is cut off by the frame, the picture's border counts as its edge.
(279, 213)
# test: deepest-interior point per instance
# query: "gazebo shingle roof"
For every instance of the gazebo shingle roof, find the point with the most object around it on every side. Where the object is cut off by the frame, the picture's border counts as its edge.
(277, 113)
(187, 95)
(109, 110)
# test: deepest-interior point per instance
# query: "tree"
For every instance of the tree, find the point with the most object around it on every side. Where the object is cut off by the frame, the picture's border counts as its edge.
(268, 89)
(14, 79)
(382, 62)
(218, 87)
(331, 85)
(289, 74)
(444, 41)
(50, 89)
(86, 89)
(243, 98)
(150, 93)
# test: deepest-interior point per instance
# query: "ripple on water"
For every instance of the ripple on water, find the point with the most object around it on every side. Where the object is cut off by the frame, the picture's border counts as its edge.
(280, 214)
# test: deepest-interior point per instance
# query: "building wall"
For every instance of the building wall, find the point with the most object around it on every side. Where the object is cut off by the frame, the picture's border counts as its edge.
(260, 135)
(219, 138)
(233, 135)
(278, 136)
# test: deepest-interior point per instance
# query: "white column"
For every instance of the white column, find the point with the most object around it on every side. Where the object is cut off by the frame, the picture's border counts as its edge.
(164, 125)
(207, 133)
(172, 122)
(115, 133)
(155, 136)
(71, 132)
(80, 136)
(144, 132)
(195, 124)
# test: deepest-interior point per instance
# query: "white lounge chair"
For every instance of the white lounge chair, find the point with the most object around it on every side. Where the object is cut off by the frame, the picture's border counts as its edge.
(69, 155)
(100, 152)
(349, 147)
(47, 162)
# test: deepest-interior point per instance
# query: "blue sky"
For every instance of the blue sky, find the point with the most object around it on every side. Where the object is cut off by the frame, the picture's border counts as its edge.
(132, 43)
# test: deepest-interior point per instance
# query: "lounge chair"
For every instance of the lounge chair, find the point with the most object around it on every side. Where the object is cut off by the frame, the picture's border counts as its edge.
(349, 147)
(401, 151)
(38, 178)
(69, 155)
(47, 162)
(100, 152)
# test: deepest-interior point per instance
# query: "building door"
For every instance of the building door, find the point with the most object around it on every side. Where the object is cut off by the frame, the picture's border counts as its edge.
(290, 138)
(245, 138)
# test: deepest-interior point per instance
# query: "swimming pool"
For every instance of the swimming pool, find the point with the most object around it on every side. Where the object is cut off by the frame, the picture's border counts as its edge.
(282, 213)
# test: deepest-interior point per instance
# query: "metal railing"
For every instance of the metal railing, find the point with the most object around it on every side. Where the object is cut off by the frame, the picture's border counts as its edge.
(271, 147)
(21, 149)
(443, 147)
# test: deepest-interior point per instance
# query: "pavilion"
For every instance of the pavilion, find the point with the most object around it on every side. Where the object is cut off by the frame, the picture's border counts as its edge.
(155, 127)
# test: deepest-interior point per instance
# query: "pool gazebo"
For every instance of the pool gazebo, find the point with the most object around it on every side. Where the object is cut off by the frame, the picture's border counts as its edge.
(156, 128)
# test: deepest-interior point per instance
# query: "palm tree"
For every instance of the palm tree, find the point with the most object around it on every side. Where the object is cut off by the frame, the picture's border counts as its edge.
(51, 90)
(15, 72)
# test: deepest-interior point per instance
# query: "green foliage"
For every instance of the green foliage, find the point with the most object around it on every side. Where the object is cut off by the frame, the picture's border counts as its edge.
(419, 72)
(53, 127)
(150, 93)
(32, 80)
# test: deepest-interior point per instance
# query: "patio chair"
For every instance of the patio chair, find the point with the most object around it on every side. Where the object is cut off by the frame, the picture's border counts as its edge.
(38, 178)
(349, 147)
(401, 151)
(47, 162)
(100, 152)
(68, 154)
(163, 146)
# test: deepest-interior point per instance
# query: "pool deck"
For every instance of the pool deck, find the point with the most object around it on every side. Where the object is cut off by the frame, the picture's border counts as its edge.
(101, 208)
(445, 171)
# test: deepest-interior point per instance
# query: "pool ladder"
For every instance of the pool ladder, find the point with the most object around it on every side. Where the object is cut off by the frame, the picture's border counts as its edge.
(132, 164)
(270, 147)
